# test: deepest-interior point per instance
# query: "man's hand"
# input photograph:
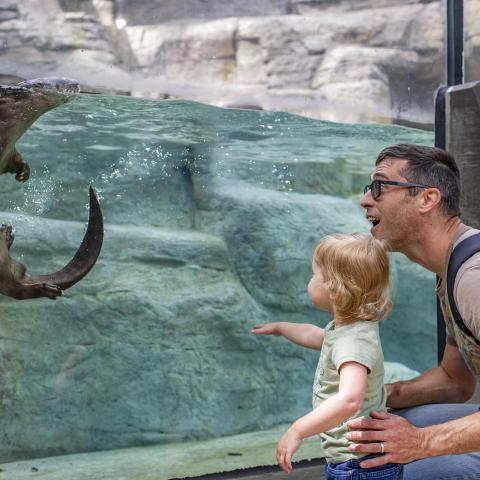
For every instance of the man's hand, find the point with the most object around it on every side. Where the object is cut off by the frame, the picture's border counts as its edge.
(402, 442)
(287, 446)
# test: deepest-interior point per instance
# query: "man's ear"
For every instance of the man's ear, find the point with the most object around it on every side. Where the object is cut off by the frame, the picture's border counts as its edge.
(429, 199)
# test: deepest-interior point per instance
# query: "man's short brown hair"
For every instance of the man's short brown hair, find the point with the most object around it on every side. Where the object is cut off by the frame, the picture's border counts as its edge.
(429, 166)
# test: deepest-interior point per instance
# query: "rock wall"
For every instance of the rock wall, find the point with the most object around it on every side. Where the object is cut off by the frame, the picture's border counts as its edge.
(350, 61)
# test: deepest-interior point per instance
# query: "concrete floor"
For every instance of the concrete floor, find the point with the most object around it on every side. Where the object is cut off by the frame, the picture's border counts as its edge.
(304, 470)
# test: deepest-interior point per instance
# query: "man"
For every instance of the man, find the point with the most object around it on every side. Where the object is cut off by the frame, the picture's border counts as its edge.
(413, 204)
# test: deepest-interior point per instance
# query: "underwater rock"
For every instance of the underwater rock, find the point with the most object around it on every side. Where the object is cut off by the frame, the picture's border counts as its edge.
(131, 348)
(261, 228)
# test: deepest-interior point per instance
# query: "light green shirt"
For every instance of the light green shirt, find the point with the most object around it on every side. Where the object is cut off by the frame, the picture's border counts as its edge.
(358, 342)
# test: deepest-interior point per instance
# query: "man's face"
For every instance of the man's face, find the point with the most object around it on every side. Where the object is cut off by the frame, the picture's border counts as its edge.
(393, 215)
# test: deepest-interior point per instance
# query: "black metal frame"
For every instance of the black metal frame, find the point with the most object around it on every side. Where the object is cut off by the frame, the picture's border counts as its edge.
(455, 76)
(455, 71)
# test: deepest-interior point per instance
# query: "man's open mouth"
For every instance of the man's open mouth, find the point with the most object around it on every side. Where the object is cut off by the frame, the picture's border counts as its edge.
(373, 220)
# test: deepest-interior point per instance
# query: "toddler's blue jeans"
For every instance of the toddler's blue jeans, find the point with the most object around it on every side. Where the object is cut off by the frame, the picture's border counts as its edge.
(352, 471)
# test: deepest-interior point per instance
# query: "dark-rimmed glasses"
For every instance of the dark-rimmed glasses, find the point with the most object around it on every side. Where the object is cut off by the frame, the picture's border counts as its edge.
(376, 186)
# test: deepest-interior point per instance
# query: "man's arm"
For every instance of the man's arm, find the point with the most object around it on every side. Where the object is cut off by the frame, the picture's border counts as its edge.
(304, 334)
(450, 382)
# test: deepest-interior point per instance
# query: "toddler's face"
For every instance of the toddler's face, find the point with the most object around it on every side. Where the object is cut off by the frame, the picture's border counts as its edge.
(317, 290)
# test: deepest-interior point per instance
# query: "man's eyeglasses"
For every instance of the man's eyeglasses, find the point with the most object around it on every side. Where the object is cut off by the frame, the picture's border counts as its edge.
(376, 186)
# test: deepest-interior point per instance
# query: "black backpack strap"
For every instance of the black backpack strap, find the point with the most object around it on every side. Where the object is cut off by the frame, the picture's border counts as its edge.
(461, 253)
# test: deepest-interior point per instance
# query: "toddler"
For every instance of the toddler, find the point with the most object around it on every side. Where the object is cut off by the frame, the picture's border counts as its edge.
(351, 280)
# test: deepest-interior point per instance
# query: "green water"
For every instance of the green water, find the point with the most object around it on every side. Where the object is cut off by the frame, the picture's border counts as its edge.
(211, 218)
(130, 147)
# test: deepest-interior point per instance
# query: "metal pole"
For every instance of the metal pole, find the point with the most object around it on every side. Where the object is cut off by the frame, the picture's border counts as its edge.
(454, 42)
(455, 76)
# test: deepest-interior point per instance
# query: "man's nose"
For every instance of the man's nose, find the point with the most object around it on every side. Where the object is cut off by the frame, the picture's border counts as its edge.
(367, 200)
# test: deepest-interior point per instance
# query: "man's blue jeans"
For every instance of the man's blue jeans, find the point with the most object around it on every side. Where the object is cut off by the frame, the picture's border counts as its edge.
(448, 467)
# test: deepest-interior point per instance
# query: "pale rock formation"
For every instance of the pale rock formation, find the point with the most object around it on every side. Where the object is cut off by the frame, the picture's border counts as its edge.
(344, 61)
(39, 39)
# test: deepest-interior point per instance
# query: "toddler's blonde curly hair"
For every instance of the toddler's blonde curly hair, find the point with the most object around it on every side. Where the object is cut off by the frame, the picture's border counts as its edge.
(355, 269)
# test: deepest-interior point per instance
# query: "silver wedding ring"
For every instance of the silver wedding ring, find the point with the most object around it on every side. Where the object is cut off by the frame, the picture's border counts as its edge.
(382, 448)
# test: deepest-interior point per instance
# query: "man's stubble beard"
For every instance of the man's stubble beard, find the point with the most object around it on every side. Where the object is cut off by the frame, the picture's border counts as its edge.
(401, 234)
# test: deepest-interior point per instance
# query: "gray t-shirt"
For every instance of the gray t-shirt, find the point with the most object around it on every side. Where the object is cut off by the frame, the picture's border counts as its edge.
(358, 342)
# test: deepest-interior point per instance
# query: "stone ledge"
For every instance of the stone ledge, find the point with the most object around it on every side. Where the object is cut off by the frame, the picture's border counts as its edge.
(163, 462)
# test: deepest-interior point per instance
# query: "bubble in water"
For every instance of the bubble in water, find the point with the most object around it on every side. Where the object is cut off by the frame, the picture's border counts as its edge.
(37, 196)
(135, 164)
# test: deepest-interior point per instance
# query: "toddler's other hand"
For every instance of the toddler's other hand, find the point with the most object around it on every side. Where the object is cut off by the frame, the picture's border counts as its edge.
(265, 329)
(287, 446)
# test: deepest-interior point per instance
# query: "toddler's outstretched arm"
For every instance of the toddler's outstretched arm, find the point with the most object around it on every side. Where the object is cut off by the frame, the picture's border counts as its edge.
(304, 334)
